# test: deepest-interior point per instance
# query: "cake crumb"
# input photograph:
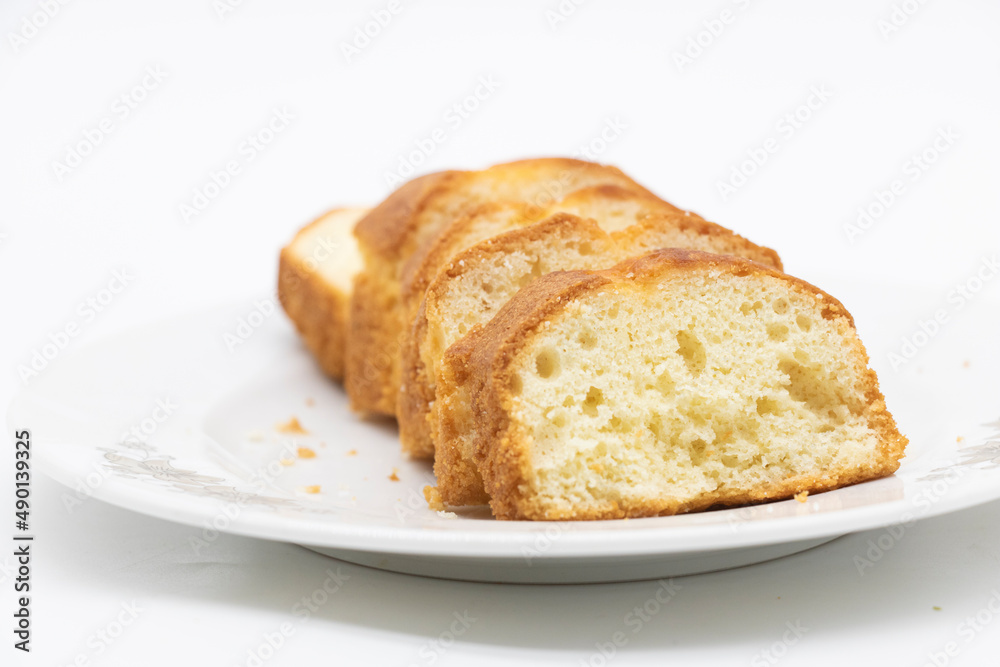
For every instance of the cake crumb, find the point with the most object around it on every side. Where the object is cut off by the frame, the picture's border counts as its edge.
(305, 453)
(433, 498)
(394, 477)
(292, 426)
(967, 364)
(936, 608)
(310, 402)
(352, 452)
(959, 439)
(286, 462)
(446, 515)
(801, 496)
(315, 488)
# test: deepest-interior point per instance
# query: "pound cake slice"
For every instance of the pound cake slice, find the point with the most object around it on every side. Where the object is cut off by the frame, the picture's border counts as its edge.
(480, 280)
(673, 382)
(412, 216)
(315, 275)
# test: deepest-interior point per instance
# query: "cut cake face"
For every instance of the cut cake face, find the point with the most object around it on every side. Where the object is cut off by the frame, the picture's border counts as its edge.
(315, 277)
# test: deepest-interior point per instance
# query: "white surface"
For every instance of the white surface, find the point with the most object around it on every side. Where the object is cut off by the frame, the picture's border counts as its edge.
(215, 453)
(686, 130)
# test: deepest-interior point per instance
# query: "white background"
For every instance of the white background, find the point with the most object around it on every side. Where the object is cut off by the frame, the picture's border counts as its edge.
(686, 127)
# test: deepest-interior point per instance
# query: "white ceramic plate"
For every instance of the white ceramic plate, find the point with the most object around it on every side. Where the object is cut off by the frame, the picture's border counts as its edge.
(206, 452)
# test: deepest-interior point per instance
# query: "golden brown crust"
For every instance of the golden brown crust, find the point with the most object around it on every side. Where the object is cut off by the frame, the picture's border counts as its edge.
(368, 354)
(479, 364)
(410, 217)
(318, 309)
(416, 395)
(385, 230)
(724, 241)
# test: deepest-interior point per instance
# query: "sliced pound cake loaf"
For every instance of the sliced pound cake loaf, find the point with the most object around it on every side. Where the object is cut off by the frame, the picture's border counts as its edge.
(477, 282)
(412, 216)
(315, 275)
(673, 382)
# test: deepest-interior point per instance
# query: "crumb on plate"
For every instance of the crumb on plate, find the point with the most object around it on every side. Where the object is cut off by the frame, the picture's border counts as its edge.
(394, 476)
(801, 496)
(310, 402)
(315, 488)
(433, 498)
(305, 453)
(292, 426)
(352, 452)
(446, 515)
(286, 462)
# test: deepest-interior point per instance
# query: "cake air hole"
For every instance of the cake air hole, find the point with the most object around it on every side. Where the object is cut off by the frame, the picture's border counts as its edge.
(547, 363)
(595, 397)
(692, 350)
